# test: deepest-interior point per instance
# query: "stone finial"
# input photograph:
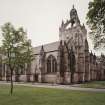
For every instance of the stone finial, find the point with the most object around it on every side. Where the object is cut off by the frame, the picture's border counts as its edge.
(61, 42)
(62, 23)
(83, 25)
(91, 53)
(73, 6)
(94, 56)
(42, 50)
(86, 45)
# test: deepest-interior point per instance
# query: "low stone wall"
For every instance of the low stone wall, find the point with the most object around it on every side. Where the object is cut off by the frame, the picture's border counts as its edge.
(19, 78)
(50, 78)
(23, 78)
(75, 80)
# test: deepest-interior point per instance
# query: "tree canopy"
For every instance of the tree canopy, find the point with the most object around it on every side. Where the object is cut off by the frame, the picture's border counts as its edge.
(16, 48)
(96, 22)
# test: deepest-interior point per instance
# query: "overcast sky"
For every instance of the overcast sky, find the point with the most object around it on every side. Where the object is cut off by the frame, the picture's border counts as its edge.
(41, 18)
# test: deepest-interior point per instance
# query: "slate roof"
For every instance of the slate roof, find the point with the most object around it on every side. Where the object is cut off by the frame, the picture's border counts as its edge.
(47, 47)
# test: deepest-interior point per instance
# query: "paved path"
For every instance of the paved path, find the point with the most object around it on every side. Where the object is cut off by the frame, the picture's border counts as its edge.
(56, 86)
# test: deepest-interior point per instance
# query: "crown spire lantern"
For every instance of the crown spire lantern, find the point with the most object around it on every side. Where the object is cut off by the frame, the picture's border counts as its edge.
(74, 17)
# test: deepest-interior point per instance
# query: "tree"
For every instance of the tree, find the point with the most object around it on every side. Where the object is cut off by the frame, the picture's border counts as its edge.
(16, 49)
(96, 22)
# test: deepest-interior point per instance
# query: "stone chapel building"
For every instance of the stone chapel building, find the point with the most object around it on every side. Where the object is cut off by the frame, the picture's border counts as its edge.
(65, 61)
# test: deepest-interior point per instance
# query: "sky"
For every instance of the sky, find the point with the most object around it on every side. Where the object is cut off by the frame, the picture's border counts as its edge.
(41, 18)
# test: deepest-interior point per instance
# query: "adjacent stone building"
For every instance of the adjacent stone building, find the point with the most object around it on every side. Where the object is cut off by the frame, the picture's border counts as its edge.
(65, 61)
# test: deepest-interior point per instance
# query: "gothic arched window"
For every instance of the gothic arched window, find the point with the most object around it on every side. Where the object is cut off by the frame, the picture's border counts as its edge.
(51, 64)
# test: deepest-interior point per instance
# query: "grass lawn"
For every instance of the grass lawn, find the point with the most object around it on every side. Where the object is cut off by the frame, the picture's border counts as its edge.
(44, 96)
(94, 84)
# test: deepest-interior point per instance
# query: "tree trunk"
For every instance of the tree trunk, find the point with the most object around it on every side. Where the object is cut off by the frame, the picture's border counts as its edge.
(11, 91)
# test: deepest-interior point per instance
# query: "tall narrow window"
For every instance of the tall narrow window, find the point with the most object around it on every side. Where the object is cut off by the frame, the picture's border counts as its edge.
(51, 64)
